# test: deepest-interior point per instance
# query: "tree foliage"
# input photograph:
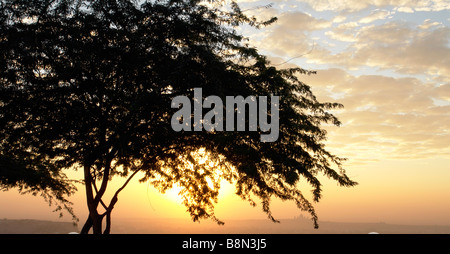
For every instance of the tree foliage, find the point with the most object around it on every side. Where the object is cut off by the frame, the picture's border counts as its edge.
(88, 84)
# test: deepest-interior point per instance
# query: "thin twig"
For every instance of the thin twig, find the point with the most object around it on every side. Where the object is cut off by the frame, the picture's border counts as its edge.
(290, 59)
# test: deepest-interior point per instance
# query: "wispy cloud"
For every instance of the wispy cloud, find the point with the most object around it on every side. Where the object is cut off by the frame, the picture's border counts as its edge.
(385, 116)
(375, 15)
(396, 46)
(358, 5)
(392, 74)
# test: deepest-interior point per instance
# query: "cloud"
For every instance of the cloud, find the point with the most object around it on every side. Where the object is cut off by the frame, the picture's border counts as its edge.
(344, 32)
(375, 15)
(384, 117)
(328, 5)
(421, 52)
(427, 24)
(393, 77)
(339, 19)
(358, 5)
(442, 92)
(301, 21)
(405, 9)
(353, 6)
(396, 46)
(290, 35)
(389, 34)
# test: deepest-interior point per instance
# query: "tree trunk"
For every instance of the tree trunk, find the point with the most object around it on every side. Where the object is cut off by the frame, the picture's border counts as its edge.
(108, 223)
(95, 224)
(87, 226)
(94, 220)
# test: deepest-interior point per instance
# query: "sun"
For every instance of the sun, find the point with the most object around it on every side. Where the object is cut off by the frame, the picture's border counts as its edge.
(174, 194)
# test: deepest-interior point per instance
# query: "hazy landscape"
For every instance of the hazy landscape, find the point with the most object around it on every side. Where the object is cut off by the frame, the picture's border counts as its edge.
(177, 226)
(36, 227)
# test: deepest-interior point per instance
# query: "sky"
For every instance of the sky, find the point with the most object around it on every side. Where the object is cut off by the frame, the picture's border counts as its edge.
(388, 63)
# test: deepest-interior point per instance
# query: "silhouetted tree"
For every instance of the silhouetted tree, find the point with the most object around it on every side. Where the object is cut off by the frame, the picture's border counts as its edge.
(88, 85)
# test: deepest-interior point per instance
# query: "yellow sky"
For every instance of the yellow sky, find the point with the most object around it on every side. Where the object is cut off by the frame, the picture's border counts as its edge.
(390, 67)
(391, 191)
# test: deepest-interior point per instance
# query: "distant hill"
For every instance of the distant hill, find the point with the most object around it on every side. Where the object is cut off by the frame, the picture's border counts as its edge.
(181, 226)
(36, 227)
(287, 226)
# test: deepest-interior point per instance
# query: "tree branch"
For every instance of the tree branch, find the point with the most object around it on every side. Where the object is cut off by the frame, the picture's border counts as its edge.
(104, 181)
(101, 201)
